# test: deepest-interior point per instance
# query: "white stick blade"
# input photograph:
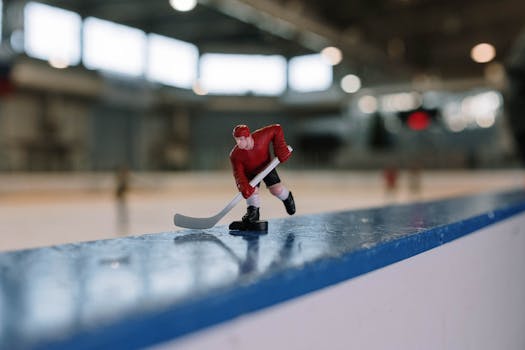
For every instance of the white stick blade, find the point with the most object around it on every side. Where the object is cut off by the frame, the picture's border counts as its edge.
(194, 223)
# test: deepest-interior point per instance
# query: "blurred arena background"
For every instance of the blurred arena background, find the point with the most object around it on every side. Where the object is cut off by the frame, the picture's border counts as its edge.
(116, 114)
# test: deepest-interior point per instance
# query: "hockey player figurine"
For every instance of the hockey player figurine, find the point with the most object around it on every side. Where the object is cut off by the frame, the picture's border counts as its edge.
(248, 158)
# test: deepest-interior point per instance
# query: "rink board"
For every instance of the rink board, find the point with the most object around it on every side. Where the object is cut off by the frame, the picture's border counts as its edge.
(176, 287)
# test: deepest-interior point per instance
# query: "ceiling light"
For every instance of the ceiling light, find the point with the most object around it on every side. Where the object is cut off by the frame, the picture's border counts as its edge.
(367, 104)
(332, 55)
(183, 5)
(350, 83)
(483, 53)
(486, 120)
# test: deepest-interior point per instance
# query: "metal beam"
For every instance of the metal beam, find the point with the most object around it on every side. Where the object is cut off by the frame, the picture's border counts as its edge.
(299, 25)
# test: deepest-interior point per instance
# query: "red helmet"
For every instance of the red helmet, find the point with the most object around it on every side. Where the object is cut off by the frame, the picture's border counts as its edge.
(241, 130)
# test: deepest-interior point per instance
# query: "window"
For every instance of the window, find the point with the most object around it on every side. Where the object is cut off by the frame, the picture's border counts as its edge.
(52, 34)
(309, 73)
(241, 74)
(113, 47)
(172, 62)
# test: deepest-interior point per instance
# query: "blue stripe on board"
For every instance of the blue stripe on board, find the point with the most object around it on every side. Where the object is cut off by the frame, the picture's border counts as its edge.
(272, 288)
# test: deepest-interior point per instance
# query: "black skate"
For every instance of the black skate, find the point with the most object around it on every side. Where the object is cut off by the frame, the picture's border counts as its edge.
(252, 214)
(289, 204)
(250, 221)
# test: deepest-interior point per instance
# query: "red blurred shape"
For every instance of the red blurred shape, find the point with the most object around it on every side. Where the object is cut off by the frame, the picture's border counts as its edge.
(6, 87)
(418, 120)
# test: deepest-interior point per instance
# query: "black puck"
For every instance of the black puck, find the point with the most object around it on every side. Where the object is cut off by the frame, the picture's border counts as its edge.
(249, 226)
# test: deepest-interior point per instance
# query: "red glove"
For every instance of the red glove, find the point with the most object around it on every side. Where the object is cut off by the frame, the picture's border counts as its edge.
(247, 190)
(283, 154)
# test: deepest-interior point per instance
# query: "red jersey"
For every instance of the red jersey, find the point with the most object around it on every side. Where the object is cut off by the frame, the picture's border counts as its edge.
(247, 164)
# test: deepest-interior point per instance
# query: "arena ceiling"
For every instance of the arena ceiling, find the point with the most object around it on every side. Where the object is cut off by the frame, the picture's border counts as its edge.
(388, 39)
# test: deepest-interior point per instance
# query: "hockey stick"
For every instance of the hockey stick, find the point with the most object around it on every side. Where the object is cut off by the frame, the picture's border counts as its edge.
(202, 223)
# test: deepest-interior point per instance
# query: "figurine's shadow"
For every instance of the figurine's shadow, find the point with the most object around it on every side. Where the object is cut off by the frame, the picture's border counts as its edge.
(248, 264)
(248, 235)
(206, 237)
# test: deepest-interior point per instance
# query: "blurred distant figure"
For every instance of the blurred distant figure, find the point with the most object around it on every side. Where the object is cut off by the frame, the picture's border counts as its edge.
(390, 176)
(121, 191)
(414, 181)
